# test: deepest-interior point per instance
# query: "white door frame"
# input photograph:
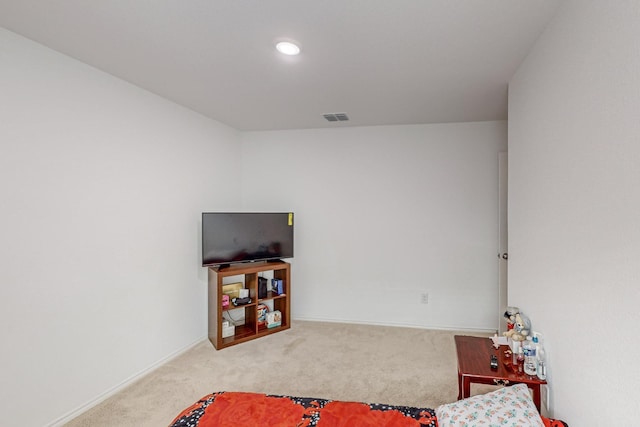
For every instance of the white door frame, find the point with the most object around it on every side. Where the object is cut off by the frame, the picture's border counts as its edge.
(503, 252)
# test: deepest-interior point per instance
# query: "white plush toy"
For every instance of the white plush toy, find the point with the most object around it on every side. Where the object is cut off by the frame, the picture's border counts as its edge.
(521, 327)
(510, 316)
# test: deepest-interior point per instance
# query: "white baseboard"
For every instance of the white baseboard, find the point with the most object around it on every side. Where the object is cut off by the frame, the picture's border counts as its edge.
(397, 324)
(110, 392)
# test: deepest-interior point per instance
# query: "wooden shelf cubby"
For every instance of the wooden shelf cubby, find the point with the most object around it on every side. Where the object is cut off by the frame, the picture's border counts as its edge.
(250, 329)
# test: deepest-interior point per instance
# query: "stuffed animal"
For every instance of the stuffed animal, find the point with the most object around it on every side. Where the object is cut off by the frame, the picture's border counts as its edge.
(521, 327)
(510, 315)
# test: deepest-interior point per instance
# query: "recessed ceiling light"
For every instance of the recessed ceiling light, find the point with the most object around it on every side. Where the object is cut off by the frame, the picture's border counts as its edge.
(288, 48)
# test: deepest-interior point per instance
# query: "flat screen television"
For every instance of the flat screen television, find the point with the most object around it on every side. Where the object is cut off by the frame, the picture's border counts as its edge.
(235, 237)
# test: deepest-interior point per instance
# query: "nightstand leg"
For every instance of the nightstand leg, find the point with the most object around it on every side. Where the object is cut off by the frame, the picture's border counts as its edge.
(536, 395)
(466, 387)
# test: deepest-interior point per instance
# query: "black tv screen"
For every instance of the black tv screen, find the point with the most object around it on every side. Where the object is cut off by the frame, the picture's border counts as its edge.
(234, 237)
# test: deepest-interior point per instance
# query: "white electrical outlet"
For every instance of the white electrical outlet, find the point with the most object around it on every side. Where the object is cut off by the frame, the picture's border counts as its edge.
(424, 298)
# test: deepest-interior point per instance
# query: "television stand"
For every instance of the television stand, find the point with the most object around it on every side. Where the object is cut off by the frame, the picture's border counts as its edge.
(253, 327)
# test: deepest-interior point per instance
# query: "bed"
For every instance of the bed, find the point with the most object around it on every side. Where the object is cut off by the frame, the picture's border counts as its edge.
(509, 406)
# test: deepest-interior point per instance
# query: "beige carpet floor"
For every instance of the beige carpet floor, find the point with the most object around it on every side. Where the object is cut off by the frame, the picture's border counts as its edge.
(376, 364)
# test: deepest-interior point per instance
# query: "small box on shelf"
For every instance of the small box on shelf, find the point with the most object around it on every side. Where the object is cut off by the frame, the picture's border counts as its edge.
(277, 287)
(228, 329)
(274, 319)
(232, 290)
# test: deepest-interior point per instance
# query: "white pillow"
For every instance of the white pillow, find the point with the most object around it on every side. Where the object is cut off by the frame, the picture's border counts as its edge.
(508, 406)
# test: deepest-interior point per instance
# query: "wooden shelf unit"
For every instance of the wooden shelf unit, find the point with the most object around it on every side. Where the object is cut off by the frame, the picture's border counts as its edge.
(251, 329)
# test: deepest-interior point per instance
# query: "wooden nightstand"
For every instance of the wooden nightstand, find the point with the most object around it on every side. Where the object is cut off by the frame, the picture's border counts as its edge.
(474, 356)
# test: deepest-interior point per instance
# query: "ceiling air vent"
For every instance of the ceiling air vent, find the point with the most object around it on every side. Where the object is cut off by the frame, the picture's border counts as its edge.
(336, 117)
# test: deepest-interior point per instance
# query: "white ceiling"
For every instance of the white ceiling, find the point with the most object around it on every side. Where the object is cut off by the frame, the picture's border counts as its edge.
(380, 61)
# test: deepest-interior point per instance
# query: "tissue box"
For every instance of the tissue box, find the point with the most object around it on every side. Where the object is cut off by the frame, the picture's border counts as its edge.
(274, 319)
(228, 329)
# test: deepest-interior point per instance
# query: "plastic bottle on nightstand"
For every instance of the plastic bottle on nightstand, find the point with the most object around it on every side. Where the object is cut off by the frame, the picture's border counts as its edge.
(530, 360)
(541, 369)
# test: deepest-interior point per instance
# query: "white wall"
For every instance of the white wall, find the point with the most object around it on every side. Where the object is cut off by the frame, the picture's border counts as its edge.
(574, 206)
(384, 214)
(102, 185)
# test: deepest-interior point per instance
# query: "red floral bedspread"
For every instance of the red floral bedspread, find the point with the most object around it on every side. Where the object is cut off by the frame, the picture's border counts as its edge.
(237, 409)
(253, 409)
